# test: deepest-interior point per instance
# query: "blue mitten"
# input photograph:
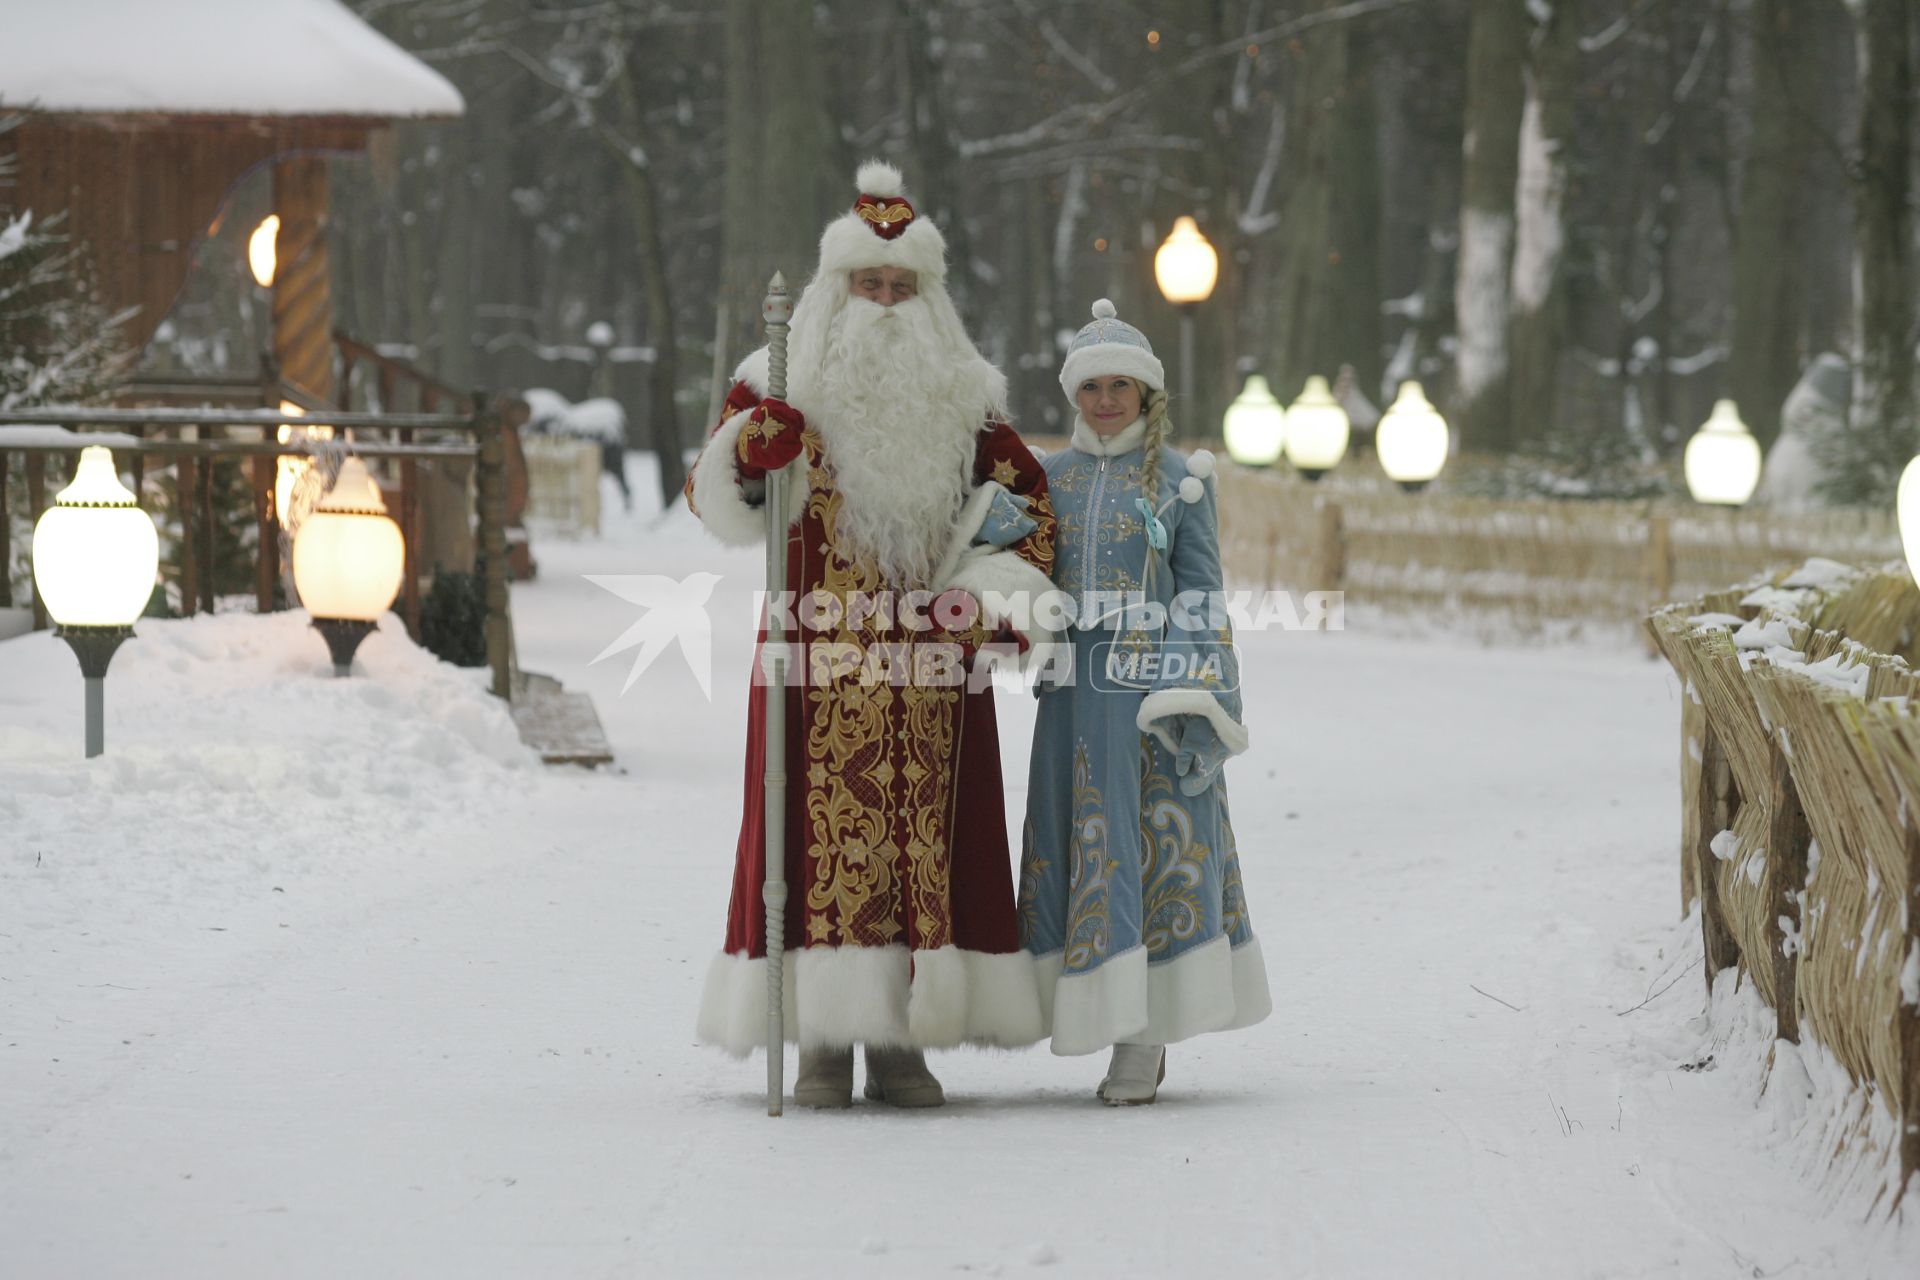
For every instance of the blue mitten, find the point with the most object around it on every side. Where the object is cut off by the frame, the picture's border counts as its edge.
(1006, 522)
(1200, 756)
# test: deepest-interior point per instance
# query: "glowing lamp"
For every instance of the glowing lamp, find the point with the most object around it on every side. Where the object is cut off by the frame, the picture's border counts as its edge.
(1185, 266)
(1255, 426)
(94, 557)
(1908, 505)
(288, 471)
(1317, 430)
(261, 249)
(348, 561)
(1411, 439)
(1723, 459)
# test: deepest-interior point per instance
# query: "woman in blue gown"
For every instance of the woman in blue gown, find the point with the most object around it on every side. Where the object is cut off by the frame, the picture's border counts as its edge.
(1130, 894)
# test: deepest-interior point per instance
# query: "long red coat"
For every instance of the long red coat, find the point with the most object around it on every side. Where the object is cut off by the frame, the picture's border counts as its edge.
(900, 920)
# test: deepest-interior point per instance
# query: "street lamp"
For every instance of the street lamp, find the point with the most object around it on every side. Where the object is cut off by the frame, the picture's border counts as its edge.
(1186, 267)
(1908, 505)
(1317, 430)
(1411, 439)
(261, 248)
(348, 560)
(94, 556)
(1723, 459)
(1255, 426)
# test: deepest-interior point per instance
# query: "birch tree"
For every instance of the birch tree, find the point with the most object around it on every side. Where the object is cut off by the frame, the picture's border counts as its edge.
(1496, 52)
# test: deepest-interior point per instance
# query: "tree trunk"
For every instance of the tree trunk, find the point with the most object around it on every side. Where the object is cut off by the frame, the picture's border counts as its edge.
(1768, 298)
(1883, 384)
(1496, 52)
(1303, 290)
(1539, 323)
(1355, 236)
(783, 175)
(664, 430)
(933, 181)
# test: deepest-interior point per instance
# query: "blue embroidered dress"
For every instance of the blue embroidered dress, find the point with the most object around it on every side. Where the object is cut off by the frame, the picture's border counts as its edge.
(1130, 896)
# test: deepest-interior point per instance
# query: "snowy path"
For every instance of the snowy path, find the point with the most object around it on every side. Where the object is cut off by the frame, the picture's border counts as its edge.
(465, 1049)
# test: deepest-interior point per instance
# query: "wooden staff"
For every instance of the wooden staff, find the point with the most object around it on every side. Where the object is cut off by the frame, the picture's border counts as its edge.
(776, 311)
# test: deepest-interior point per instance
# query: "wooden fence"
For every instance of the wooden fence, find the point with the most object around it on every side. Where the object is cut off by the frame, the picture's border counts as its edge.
(1800, 839)
(563, 483)
(1511, 566)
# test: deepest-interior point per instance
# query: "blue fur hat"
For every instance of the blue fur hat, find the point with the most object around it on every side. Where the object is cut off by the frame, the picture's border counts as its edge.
(1110, 346)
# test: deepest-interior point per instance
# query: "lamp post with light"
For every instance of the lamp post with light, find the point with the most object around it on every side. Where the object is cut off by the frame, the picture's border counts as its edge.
(1186, 269)
(94, 556)
(1255, 425)
(1723, 459)
(1317, 430)
(1412, 439)
(348, 561)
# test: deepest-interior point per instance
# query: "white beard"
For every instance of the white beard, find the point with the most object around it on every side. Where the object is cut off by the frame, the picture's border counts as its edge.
(899, 413)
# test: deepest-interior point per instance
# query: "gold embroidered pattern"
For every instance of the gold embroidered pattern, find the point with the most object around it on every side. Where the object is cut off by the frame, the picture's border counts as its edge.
(1171, 861)
(1033, 869)
(885, 214)
(1089, 871)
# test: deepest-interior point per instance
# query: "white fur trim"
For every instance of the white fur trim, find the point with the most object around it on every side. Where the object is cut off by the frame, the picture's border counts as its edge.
(733, 510)
(1163, 704)
(1214, 987)
(839, 996)
(1008, 588)
(878, 178)
(1107, 359)
(849, 243)
(1125, 440)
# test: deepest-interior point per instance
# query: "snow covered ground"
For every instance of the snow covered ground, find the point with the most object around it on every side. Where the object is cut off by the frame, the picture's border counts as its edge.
(327, 978)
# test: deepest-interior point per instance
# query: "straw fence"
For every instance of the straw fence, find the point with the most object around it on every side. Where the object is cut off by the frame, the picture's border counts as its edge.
(1800, 768)
(563, 484)
(1510, 566)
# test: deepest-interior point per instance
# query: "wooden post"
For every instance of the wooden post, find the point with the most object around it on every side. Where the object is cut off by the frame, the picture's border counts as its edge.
(1331, 570)
(36, 507)
(302, 281)
(492, 501)
(6, 537)
(267, 521)
(1659, 557)
(1714, 815)
(204, 526)
(185, 502)
(1785, 877)
(1907, 1026)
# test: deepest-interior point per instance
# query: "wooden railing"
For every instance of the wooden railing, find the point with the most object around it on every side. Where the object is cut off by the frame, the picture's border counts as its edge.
(140, 434)
(1800, 782)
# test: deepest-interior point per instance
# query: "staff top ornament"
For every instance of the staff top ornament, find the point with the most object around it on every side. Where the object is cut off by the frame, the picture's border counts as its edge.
(883, 229)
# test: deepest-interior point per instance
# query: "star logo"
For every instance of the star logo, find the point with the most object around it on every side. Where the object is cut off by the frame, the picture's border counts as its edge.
(676, 612)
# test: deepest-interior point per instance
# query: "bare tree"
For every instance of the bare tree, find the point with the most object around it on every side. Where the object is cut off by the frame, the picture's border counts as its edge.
(1495, 54)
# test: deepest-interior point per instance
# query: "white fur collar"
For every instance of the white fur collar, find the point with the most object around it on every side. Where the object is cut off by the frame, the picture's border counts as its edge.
(1125, 440)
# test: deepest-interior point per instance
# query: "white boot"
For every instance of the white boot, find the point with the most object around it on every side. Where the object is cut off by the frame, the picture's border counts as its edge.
(899, 1078)
(826, 1078)
(1134, 1076)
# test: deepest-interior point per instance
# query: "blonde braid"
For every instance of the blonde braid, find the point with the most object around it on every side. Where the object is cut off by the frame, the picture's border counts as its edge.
(1157, 427)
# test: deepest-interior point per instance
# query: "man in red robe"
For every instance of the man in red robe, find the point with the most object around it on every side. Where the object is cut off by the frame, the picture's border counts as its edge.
(906, 486)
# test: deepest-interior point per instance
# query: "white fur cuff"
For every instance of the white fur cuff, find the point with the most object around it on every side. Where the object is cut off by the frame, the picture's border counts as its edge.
(1164, 704)
(734, 510)
(1214, 987)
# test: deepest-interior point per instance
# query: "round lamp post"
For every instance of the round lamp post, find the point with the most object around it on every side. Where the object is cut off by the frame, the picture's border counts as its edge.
(1186, 268)
(348, 559)
(1411, 439)
(1723, 459)
(1255, 426)
(1908, 505)
(1317, 430)
(94, 556)
(261, 250)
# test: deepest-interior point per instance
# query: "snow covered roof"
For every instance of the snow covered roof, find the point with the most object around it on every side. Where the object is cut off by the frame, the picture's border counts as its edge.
(212, 57)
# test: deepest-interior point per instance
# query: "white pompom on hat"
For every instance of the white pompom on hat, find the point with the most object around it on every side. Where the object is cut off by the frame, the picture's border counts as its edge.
(883, 229)
(1107, 347)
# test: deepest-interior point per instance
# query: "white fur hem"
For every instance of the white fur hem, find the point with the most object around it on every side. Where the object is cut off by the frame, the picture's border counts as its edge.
(838, 996)
(734, 511)
(1163, 704)
(1214, 987)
